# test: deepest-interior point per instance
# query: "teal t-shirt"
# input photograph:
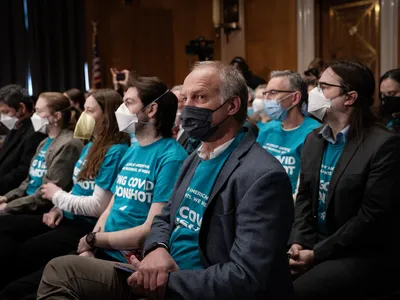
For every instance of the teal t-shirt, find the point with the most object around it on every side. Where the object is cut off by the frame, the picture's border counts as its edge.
(147, 176)
(331, 156)
(38, 169)
(184, 245)
(286, 145)
(105, 177)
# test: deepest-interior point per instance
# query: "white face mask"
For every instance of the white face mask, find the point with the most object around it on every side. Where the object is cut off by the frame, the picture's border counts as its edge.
(7, 121)
(125, 119)
(258, 105)
(39, 123)
(318, 104)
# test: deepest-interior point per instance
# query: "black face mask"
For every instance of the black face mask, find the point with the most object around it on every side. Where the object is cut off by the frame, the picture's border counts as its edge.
(197, 122)
(391, 105)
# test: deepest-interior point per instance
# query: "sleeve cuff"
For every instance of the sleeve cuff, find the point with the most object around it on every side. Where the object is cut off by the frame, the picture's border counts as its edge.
(56, 196)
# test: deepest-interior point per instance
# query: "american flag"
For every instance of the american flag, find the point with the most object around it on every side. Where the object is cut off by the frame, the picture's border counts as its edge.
(96, 70)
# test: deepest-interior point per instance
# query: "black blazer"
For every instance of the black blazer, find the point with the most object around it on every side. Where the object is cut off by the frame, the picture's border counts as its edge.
(16, 153)
(243, 235)
(362, 201)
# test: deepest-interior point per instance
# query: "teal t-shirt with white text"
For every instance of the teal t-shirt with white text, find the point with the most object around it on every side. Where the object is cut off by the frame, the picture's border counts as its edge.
(38, 169)
(286, 145)
(183, 243)
(148, 175)
(105, 177)
(330, 158)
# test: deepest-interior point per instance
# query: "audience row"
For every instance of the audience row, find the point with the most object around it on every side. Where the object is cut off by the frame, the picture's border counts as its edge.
(210, 190)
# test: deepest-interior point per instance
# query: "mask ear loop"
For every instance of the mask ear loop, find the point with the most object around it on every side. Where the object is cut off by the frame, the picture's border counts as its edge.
(290, 107)
(144, 108)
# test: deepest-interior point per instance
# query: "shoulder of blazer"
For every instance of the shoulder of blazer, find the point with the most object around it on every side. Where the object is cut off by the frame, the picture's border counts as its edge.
(378, 134)
(257, 162)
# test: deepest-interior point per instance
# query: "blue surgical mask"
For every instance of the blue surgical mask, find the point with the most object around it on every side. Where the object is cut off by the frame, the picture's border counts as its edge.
(274, 109)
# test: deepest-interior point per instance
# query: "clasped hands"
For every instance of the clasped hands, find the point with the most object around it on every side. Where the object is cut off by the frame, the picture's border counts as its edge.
(300, 259)
(151, 276)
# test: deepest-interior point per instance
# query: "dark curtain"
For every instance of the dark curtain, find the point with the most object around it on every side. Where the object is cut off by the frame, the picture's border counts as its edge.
(56, 44)
(13, 53)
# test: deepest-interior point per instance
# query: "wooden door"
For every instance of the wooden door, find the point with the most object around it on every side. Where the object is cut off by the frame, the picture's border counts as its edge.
(349, 30)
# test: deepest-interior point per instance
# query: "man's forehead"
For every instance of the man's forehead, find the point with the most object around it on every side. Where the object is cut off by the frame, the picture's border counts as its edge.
(278, 83)
(201, 78)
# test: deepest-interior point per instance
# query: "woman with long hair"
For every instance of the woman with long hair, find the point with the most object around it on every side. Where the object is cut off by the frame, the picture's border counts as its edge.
(342, 242)
(74, 214)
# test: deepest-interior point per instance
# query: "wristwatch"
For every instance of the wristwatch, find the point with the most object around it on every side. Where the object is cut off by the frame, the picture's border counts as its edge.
(153, 247)
(91, 239)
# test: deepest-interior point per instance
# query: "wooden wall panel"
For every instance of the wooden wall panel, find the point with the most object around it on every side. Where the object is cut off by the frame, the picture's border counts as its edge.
(150, 36)
(271, 36)
(270, 31)
(132, 37)
(191, 19)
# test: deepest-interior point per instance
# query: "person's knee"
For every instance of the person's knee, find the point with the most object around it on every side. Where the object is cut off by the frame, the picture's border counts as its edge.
(60, 268)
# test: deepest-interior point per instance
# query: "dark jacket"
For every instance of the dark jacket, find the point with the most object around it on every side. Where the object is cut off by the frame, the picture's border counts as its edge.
(61, 156)
(243, 235)
(16, 153)
(362, 200)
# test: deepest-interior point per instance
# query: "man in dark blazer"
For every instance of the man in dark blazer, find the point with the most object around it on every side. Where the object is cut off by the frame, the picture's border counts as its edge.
(232, 245)
(21, 141)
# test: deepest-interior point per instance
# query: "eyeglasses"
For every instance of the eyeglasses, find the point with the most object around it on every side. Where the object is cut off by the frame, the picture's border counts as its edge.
(322, 85)
(275, 92)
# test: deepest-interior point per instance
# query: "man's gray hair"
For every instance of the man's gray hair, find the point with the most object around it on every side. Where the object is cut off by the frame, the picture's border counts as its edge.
(177, 88)
(232, 84)
(296, 82)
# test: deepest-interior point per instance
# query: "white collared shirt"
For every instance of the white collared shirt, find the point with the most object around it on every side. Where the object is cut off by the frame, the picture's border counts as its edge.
(217, 151)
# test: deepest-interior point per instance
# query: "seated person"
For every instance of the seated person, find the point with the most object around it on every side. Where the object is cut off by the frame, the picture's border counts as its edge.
(74, 214)
(250, 100)
(342, 243)
(223, 233)
(259, 117)
(54, 159)
(77, 101)
(390, 99)
(284, 136)
(252, 80)
(21, 140)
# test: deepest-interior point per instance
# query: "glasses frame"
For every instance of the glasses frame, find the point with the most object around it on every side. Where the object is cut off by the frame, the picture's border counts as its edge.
(277, 91)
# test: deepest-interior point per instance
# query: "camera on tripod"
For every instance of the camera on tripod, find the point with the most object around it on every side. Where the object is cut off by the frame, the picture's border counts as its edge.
(201, 47)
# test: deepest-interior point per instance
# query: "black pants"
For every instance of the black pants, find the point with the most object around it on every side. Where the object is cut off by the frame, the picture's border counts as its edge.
(350, 278)
(27, 245)
(25, 288)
